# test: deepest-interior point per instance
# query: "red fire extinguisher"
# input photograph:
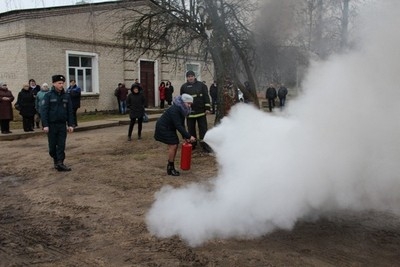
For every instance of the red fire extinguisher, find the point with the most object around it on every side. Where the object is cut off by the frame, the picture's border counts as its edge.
(186, 156)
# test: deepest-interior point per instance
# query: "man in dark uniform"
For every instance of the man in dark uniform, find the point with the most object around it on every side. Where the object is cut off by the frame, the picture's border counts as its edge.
(200, 107)
(56, 112)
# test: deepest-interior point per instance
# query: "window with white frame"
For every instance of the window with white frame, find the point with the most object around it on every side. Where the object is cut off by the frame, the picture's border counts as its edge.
(82, 67)
(195, 67)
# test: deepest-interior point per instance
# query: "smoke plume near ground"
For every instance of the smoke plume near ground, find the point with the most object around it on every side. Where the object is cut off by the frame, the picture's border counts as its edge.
(335, 148)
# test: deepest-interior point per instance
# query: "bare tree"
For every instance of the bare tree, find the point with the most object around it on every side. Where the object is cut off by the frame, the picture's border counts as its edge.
(292, 32)
(217, 30)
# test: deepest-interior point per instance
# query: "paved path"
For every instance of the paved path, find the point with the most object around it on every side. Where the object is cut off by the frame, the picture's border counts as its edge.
(83, 126)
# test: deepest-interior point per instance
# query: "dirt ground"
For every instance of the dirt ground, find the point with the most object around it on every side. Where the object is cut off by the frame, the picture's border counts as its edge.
(94, 215)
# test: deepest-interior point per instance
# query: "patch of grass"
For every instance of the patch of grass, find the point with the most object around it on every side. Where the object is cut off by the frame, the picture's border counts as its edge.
(94, 116)
(82, 117)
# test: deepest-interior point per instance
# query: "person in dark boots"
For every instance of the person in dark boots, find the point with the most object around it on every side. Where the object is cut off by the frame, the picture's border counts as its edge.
(26, 103)
(56, 111)
(6, 111)
(200, 108)
(172, 120)
(135, 104)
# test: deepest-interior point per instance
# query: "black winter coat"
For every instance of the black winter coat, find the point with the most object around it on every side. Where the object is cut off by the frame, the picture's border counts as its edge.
(271, 93)
(135, 103)
(282, 92)
(173, 119)
(213, 91)
(26, 102)
(168, 93)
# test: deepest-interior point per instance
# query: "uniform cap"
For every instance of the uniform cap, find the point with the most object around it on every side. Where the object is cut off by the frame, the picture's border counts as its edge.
(57, 78)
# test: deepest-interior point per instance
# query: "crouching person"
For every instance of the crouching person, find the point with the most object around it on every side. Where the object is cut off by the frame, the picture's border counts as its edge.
(172, 120)
(56, 114)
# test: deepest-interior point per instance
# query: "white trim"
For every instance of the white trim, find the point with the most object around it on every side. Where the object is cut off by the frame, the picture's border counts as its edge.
(95, 69)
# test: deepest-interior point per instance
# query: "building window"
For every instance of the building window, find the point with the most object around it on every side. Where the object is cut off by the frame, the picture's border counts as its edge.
(195, 67)
(82, 67)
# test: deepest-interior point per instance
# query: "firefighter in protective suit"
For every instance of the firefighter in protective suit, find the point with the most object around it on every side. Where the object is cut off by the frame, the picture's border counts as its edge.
(56, 112)
(200, 108)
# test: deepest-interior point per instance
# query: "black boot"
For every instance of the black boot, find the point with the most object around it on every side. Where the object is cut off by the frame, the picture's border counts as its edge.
(55, 164)
(206, 148)
(171, 169)
(62, 168)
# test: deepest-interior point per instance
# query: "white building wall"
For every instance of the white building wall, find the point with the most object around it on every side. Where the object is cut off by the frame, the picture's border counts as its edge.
(34, 45)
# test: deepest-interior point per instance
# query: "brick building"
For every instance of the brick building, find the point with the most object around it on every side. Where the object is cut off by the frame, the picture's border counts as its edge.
(81, 42)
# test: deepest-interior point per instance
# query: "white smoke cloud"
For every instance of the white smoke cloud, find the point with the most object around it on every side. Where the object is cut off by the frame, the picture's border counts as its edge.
(334, 148)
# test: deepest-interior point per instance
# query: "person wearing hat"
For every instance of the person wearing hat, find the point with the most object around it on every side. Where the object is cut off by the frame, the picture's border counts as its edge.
(172, 120)
(56, 112)
(6, 111)
(34, 89)
(135, 104)
(40, 96)
(200, 107)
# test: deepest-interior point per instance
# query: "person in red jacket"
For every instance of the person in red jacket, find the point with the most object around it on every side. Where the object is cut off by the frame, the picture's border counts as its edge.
(161, 88)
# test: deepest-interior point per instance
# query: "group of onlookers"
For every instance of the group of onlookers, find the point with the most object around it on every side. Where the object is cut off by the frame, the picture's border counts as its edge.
(28, 104)
(166, 91)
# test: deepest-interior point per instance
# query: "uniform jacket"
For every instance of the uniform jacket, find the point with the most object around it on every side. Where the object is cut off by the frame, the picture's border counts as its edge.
(56, 107)
(75, 93)
(201, 100)
(135, 104)
(26, 102)
(6, 111)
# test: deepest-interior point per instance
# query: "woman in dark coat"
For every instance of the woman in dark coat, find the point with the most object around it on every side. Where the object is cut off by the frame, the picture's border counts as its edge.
(6, 111)
(26, 102)
(173, 119)
(169, 90)
(135, 104)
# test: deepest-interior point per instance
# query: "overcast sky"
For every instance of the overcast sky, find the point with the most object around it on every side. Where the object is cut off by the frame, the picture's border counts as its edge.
(8, 5)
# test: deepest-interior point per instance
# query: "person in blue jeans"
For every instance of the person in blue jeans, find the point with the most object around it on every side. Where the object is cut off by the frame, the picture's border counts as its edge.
(123, 95)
